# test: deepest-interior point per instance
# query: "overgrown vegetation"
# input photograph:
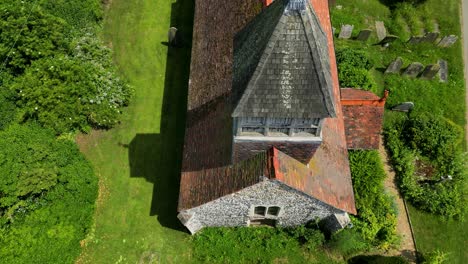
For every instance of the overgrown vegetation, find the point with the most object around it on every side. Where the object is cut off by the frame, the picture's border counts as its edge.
(56, 78)
(431, 169)
(47, 194)
(59, 72)
(353, 69)
(376, 219)
(374, 228)
(422, 147)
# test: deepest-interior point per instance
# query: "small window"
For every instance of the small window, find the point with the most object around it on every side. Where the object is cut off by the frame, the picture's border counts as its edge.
(260, 210)
(273, 210)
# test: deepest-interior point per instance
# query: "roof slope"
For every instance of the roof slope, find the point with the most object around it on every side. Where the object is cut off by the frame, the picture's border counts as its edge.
(208, 137)
(281, 64)
(200, 187)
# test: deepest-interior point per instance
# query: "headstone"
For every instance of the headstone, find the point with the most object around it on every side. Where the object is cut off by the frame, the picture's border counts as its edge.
(346, 31)
(333, 31)
(404, 107)
(388, 39)
(395, 66)
(430, 37)
(364, 35)
(413, 69)
(443, 72)
(415, 39)
(172, 36)
(447, 41)
(381, 30)
(430, 72)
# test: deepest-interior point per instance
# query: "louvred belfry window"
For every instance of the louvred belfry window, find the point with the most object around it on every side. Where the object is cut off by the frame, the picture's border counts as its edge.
(278, 127)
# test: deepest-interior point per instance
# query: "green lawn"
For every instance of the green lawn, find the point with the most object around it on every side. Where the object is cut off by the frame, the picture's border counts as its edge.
(432, 232)
(138, 162)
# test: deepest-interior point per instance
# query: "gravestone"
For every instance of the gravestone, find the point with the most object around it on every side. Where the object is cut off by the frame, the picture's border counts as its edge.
(447, 41)
(172, 36)
(381, 30)
(346, 31)
(415, 39)
(364, 35)
(388, 39)
(430, 72)
(395, 66)
(413, 69)
(430, 37)
(443, 72)
(404, 107)
(333, 31)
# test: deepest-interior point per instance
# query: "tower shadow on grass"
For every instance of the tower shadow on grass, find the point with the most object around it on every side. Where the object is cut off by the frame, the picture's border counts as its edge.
(158, 157)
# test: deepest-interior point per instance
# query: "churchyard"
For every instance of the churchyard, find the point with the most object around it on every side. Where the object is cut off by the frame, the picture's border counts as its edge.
(416, 54)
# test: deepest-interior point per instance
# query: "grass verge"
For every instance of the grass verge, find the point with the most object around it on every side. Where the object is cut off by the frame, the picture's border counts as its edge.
(138, 162)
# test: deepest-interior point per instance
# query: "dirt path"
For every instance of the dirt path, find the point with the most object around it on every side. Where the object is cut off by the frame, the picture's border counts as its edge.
(403, 228)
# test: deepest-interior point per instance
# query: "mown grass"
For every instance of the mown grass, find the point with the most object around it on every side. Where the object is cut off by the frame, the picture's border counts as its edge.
(446, 99)
(434, 232)
(138, 162)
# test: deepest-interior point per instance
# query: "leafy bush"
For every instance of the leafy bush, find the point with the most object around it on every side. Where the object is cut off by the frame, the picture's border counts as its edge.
(68, 94)
(356, 78)
(376, 219)
(245, 245)
(436, 137)
(353, 69)
(353, 58)
(348, 242)
(65, 81)
(435, 257)
(41, 35)
(444, 197)
(47, 195)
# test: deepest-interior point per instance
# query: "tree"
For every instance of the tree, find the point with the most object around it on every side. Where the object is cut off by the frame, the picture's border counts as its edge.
(28, 34)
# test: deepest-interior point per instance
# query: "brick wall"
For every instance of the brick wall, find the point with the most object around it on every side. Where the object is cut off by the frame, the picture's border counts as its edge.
(302, 151)
(363, 125)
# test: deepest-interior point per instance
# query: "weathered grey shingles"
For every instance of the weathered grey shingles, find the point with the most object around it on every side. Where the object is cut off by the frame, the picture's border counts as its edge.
(290, 79)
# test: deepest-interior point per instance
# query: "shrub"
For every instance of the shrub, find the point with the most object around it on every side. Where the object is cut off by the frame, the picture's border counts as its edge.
(435, 257)
(353, 69)
(348, 242)
(436, 137)
(353, 58)
(69, 94)
(47, 195)
(45, 40)
(376, 219)
(444, 197)
(245, 245)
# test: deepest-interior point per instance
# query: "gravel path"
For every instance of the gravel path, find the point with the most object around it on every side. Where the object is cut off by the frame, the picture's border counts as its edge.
(403, 228)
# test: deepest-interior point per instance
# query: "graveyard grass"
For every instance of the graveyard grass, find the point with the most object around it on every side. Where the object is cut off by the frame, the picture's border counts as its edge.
(432, 232)
(135, 220)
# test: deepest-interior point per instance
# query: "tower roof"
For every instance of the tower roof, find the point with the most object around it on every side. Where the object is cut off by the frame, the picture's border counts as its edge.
(281, 64)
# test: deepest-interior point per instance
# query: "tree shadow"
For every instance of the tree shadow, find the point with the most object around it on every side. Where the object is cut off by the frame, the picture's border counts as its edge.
(377, 259)
(158, 157)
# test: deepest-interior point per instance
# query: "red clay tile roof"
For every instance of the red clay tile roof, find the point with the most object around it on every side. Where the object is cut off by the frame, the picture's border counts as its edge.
(323, 187)
(215, 24)
(357, 94)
